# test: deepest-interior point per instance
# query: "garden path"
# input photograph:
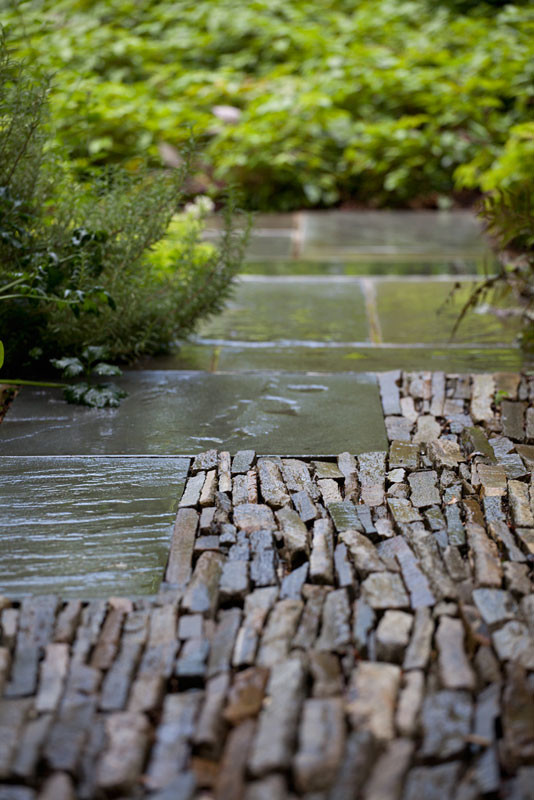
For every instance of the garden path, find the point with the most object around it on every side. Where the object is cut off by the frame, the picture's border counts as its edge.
(329, 626)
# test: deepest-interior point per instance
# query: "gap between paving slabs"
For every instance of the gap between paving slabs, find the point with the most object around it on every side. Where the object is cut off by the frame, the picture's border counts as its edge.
(327, 629)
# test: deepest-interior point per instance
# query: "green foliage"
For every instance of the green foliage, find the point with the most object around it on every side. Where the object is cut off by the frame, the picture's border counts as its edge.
(387, 102)
(87, 393)
(509, 219)
(76, 262)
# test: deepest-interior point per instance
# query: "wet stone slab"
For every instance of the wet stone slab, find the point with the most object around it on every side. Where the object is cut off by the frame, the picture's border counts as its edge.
(391, 233)
(169, 413)
(412, 311)
(89, 526)
(270, 309)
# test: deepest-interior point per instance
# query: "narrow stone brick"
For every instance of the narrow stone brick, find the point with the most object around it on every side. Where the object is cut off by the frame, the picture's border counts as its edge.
(179, 566)
(122, 761)
(202, 593)
(454, 668)
(193, 488)
(277, 728)
(294, 534)
(210, 728)
(224, 472)
(387, 777)
(372, 698)
(321, 744)
(231, 779)
(335, 628)
(272, 487)
(279, 631)
(322, 555)
(53, 674)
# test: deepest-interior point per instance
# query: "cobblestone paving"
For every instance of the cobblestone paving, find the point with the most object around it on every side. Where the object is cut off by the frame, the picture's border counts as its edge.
(332, 630)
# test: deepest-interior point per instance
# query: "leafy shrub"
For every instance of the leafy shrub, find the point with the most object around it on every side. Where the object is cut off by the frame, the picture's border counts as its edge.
(76, 268)
(383, 102)
(87, 393)
(509, 219)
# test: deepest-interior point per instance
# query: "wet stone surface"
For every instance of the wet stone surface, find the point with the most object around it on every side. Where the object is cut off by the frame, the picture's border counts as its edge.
(171, 413)
(376, 645)
(90, 526)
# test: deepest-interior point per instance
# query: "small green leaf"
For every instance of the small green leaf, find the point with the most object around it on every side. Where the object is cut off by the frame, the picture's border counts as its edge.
(75, 394)
(93, 353)
(106, 369)
(69, 366)
(1, 354)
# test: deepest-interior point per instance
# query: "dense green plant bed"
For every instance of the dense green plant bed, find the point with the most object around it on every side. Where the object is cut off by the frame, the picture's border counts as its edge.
(303, 103)
(114, 261)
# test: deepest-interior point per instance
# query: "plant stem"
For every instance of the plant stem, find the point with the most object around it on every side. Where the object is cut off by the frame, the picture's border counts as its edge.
(47, 384)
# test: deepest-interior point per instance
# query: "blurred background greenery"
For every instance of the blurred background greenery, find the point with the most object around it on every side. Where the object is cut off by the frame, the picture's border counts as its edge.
(302, 103)
(298, 103)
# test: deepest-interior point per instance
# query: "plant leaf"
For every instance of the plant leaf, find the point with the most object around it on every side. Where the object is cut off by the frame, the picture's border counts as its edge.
(106, 369)
(69, 366)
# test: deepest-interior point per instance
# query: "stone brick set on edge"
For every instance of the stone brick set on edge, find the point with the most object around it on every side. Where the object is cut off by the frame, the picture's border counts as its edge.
(359, 628)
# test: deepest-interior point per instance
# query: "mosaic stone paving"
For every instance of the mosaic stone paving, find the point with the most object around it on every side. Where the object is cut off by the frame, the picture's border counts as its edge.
(328, 629)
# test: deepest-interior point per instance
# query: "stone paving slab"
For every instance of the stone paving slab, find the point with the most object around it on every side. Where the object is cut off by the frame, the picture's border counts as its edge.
(426, 311)
(181, 413)
(86, 526)
(265, 309)
(343, 309)
(317, 357)
(363, 358)
(327, 628)
(335, 235)
(364, 265)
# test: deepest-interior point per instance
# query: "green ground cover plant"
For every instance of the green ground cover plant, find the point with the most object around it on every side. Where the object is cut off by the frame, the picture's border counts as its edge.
(85, 263)
(379, 102)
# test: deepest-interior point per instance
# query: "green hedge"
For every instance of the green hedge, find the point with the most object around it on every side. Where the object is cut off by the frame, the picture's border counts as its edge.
(381, 102)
